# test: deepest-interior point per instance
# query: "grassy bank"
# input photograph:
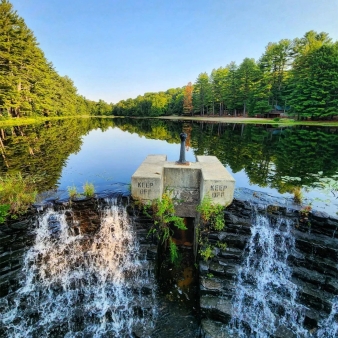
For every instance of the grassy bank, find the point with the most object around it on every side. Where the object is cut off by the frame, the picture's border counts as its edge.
(252, 120)
(19, 121)
(8, 122)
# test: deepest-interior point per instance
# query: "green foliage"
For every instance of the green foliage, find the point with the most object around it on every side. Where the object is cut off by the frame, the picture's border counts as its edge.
(29, 84)
(4, 208)
(212, 216)
(88, 189)
(72, 191)
(221, 245)
(279, 78)
(173, 251)
(17, 191)
(206, 252)
(297, 195)
(211, 213)
(163, 213)
(304, 214)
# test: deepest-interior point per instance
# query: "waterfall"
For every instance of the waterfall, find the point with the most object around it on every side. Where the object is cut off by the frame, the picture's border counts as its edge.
(265, 304)
(82, 285)
(329, 326)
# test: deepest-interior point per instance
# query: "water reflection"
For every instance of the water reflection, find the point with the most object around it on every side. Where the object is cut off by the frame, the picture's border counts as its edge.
(104, 151)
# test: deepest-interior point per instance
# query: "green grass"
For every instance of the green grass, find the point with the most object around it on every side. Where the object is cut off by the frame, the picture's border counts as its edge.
(18, 192)
(12, 121)
(72, 192)
(88, 189)
(252, 120)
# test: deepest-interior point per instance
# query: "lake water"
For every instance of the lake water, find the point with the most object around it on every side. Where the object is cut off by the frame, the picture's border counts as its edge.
(104, 152)
(262, 158)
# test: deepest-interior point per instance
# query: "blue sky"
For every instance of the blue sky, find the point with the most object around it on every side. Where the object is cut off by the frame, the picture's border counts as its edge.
(116, 49)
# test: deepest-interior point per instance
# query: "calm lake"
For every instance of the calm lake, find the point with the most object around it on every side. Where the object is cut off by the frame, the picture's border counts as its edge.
(106, 152)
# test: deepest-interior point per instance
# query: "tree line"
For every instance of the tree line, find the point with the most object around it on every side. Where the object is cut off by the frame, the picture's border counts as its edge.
(29, 84)
(297, 77)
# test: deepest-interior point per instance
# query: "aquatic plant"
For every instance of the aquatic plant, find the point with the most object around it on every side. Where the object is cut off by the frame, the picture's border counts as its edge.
(297, 195)
(88, 189)
(72, 192)
(17, 191)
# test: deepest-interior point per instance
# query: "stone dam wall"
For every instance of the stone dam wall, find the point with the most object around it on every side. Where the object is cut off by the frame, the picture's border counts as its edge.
(314, 261)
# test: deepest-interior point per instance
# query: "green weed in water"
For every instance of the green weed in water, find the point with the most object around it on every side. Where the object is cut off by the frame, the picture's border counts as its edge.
(88, 189)
(72, 192)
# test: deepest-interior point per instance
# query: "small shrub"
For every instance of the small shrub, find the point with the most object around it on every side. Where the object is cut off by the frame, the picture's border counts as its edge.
(206, 252)
(173, 251)
(4, 208)
(17, 191)
(72, 192)
(212, 213)
(304, 214)
(88, 189)
(276, 119)
(221, 245)
(297, 195)
(163, 214)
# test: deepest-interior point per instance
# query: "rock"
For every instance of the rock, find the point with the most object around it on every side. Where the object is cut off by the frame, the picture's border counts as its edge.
(213, 329)
(216, 308)
(22, 225)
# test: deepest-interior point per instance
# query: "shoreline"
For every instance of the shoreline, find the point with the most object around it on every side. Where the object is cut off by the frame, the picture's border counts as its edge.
(217, 119)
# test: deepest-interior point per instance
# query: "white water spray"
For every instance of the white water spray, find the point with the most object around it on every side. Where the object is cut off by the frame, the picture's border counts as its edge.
(265, 298)
(82, 285)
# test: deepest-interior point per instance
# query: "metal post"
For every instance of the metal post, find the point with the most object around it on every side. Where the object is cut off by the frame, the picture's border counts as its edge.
(182, 160)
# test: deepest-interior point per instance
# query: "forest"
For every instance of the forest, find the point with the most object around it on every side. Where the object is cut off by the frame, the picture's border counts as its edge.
(29, 84)
(297, 78)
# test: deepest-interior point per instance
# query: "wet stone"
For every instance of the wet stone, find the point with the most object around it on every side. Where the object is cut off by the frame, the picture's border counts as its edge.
(210, 286)
(216, 308)
(213, 329)
(22, 225)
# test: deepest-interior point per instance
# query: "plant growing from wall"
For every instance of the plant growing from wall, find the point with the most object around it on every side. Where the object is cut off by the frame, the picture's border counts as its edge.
(4, 208)
(163, 213)
(212, 218)
(207, 252)
(211, 214)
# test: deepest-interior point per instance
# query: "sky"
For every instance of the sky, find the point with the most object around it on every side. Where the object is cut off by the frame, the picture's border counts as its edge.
(119, 49)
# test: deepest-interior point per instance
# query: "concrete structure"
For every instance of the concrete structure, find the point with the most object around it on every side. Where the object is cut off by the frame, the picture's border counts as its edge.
(188, 183)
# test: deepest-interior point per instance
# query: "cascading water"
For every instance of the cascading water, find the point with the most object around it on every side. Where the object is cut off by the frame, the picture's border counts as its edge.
(265, 298)
(329, 326)
(79, 285)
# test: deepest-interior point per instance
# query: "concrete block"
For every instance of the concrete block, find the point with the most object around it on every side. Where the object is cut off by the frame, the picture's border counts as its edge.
(147, 181)
(187, 183)
(216, 182)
